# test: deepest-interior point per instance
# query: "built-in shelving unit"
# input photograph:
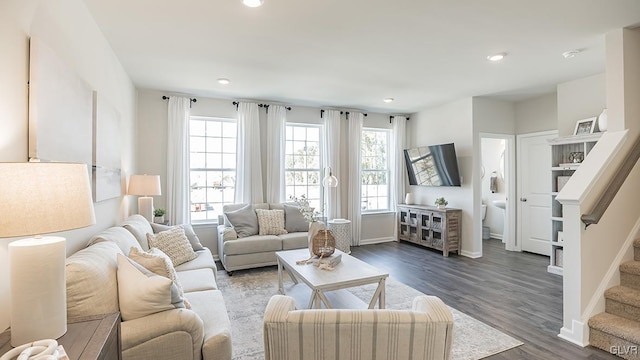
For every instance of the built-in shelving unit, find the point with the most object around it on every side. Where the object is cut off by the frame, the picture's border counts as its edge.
(563, 166)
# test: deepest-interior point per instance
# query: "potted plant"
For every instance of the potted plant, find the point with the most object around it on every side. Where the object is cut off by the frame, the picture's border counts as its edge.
(158, 216)
(441, 202)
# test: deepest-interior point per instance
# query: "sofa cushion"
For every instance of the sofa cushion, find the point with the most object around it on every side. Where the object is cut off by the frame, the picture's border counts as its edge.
(204, 260)
(118, 235)
(158, 263)
(188, 231)
(234, 207)
(139, 227)
(244, 221)
(197, 280)
(270, 222)
(253, 244)
(297, 240)
(174, 243)
(293, 219)
(92, 286)
(142, 293)
(209, 305)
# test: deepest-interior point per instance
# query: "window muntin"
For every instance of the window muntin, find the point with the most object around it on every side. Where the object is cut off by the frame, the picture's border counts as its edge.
(212, 177)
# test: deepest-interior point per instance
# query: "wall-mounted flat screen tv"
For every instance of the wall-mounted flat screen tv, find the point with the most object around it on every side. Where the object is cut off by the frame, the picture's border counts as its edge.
(435, 165)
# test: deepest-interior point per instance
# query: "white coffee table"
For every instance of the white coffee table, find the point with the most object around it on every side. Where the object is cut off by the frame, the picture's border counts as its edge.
(327, 288)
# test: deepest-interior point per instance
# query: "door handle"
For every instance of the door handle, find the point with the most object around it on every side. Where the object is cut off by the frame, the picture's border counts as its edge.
(523, 199)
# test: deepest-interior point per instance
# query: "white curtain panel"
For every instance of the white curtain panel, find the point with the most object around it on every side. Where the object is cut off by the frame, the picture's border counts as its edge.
(249, 167)
(178, 202)
(332, 159)
(276, 123)
(355, 178)
(396, 161)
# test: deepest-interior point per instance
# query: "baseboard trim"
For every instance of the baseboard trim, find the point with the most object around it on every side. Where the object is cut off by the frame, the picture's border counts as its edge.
(376, 240)
(496, 236)
(469, 254)
(576, 335)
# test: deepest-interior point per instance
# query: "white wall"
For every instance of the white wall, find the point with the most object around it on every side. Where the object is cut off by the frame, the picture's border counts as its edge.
(492, 151)
(580, 99)
(67, 27)
(537, 114)
(449, 123)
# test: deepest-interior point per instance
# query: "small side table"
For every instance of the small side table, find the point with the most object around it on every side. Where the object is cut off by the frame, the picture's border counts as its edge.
(88, 338)
(341, 230)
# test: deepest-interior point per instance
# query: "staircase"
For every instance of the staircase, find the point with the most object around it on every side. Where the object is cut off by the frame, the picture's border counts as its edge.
(617, 330)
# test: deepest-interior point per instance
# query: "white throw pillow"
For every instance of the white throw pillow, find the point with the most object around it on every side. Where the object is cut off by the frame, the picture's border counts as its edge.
(142, 292)
(158, 263)
(174, 243)
(271, 222)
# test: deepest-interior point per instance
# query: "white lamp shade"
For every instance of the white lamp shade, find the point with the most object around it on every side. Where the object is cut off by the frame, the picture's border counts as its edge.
(146, 185)
(40, 198)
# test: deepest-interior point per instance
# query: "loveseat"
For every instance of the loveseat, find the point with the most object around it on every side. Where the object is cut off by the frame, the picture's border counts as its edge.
(201, 332)
(241, 248)
(423, 333)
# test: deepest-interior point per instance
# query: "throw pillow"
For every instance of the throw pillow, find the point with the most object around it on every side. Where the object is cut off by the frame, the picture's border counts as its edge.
(139, 227)
(294, 221)
(142, 292)
(271, 222)
(244, 220)
(174, 243)
(158, 263)
(188, 230)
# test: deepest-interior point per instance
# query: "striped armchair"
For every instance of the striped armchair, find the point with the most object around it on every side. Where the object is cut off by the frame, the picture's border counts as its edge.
(422, 333)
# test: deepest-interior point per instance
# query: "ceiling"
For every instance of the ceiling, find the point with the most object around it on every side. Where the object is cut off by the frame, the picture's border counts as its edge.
(353, 53)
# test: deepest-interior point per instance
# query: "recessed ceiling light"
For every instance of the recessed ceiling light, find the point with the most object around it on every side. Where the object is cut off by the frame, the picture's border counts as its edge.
(571, 53)
(388, 100)
(496, 57)
(224, 81)
(252, 3)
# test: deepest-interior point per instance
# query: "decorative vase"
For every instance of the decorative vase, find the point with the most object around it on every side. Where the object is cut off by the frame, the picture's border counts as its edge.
(442, 207)
(324, 244)
(602, 120)
(408, 199)
(158, 219)
(314, 228)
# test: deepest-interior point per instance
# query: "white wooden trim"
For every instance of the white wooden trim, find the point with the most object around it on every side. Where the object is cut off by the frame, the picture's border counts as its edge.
(376, 240)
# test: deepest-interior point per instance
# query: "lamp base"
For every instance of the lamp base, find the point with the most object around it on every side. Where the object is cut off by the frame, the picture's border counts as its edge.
(38, 289)
(145, 207)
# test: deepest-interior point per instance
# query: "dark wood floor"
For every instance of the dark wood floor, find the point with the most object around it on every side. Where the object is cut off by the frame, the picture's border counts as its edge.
(511, 291)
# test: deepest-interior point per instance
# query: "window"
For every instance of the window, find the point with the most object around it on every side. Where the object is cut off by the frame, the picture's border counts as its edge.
(302, 167)
(212, 150)
(374, 153)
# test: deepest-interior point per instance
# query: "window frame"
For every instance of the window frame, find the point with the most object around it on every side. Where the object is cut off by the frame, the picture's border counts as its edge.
(321, 160)
(387, 170)
(206, 169)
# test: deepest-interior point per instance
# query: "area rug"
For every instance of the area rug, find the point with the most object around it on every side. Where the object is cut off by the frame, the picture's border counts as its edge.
(247, 292)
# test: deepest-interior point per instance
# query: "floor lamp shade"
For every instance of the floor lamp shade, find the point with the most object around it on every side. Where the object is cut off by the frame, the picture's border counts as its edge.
(145, 185)
(39, 198)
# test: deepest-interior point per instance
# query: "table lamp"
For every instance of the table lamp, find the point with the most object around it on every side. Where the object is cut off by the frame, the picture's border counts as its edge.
(145, 185)
(39, 198)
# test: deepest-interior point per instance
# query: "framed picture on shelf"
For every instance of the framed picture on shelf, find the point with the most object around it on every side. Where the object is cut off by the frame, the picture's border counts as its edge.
(586, 126)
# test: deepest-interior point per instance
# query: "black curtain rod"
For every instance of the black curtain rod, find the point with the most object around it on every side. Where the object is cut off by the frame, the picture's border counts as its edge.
(164, 97)
(341, 112)
(392, 117)
(266, 106)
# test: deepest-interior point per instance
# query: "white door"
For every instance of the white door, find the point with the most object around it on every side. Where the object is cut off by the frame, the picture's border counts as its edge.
(534, 191)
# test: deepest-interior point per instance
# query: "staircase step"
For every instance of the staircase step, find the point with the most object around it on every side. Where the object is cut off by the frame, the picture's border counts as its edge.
(636, 249)
(630, 274)
(624, 302)
(610, 332)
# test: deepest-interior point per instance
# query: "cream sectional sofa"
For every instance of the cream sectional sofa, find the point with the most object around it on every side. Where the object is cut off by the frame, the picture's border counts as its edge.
(203, 332)
(237, 253)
